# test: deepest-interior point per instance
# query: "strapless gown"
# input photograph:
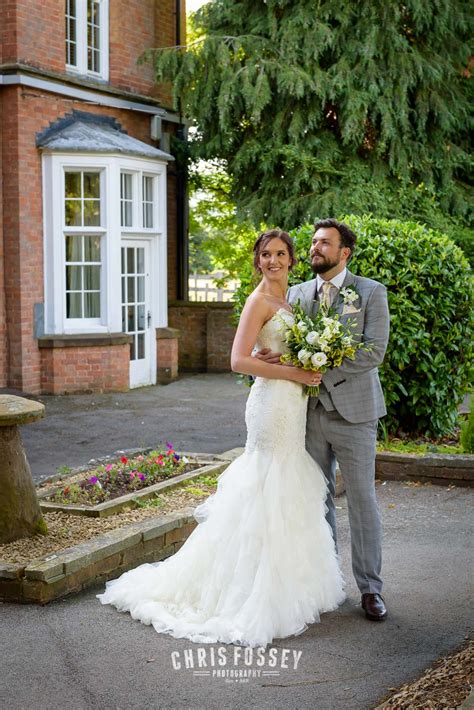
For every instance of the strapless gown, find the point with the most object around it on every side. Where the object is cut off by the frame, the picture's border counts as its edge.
(262, 562)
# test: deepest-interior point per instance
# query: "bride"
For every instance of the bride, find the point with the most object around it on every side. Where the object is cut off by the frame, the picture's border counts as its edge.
(262, 563)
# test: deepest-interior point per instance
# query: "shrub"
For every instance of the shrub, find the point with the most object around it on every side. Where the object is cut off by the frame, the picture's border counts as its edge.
(467, 432)
(427, 365)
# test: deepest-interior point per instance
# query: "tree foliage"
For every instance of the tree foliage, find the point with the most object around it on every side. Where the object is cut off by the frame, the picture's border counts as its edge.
(218, 240)
(429, 357)
(329, 107)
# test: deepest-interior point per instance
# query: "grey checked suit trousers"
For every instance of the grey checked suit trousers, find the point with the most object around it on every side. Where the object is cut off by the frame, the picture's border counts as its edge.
(342, 422)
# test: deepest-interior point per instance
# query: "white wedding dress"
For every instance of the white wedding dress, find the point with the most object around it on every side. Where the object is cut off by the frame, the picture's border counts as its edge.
(262, 563)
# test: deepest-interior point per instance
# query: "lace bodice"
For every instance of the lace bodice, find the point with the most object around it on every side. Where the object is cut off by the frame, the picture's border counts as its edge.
(276, 409)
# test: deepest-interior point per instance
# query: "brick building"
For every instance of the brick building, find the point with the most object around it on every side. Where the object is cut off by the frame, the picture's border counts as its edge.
(92, 203)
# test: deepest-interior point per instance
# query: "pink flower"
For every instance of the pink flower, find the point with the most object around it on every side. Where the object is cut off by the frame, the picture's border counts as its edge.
(141, 476)
(140, 458)
(133, 474)
(109, 467)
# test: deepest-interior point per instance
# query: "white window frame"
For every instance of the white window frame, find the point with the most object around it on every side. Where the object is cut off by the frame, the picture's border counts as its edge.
(54, 167)
(81, 41)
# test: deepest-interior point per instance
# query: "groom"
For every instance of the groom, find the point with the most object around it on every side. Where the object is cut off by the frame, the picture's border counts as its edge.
(342, 420)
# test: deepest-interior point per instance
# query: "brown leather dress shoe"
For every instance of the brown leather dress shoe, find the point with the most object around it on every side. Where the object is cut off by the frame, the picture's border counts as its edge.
(374, 607)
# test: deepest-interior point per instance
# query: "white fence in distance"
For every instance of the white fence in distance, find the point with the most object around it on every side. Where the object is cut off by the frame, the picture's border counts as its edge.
(203, 287)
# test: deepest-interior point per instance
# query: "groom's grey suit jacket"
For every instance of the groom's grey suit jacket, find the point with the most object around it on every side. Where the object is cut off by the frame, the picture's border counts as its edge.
(354, 387)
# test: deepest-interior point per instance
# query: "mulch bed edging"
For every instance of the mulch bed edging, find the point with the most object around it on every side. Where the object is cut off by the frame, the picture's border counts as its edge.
(97, 560)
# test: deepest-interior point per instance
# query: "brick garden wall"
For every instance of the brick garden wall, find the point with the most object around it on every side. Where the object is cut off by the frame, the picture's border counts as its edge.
(206, 335)
(85, 369)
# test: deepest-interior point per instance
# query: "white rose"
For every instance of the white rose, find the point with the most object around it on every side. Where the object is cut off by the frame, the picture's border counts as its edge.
(302, 327)
(312, 338)
(323, 344)
(319, 359)
(303, 356)
(347, 340)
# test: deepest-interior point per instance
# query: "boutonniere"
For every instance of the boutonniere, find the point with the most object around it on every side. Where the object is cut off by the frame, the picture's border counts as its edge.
(350, 296)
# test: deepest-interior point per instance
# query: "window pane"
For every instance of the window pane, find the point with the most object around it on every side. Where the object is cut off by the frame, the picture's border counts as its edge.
(92, 305)
(126, 214)
(141, 289)
(140, 346)
(74, 278)
(140, 260)
(148, 215)
(124, 324)
(141, 318)
(123, 259)
(91, 248)
(131, 319)
(92, 278)
(130, 260)
(124, 294)
(126, 186)
(74, 305)
(73, 213)
(148, 189)
(91, 213)
(73, 248)
(72, 184)
(132, 349)
(131, 289)
(92, 185)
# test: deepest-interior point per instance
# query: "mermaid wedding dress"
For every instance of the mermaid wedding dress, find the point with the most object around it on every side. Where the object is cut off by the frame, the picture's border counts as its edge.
(262, 563)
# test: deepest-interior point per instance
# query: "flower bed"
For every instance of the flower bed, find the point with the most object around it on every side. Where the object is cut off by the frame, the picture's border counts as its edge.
(126, 481)
(127, 475)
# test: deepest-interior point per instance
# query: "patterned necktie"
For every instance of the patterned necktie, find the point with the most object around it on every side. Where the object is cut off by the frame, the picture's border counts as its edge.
(326, 300)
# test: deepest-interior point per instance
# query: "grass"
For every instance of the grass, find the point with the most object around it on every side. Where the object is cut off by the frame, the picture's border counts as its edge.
(412, 447)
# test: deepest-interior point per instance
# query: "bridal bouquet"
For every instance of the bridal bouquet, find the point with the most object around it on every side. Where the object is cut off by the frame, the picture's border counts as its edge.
(317, 343)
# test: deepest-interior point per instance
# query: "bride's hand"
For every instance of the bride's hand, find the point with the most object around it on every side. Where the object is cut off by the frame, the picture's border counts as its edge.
(307, 377)
(267, 355)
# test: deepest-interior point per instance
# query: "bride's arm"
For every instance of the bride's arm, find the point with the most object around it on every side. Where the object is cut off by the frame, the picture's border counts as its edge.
(255, 313)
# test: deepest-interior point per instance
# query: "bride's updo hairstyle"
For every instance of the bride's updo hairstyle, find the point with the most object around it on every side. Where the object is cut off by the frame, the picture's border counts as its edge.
(266, 237)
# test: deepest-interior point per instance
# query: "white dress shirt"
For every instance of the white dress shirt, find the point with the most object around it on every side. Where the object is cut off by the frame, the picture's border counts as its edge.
(336, 281)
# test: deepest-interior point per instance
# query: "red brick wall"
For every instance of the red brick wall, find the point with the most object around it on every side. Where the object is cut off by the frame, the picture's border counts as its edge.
(33, 32)
(27, 112)
(206, 335)
(3, 314)
(85, 369)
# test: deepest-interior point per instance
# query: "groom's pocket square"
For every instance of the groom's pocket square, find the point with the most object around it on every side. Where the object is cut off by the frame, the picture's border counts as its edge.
(350, 309)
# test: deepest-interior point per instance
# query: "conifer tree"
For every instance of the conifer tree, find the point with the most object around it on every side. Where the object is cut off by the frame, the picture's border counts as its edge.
(324, 107)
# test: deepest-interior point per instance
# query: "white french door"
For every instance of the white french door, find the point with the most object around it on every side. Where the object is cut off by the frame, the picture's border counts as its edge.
(136, 309)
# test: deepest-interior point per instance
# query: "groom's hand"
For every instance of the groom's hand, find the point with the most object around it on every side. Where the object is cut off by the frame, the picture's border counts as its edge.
(268, 355)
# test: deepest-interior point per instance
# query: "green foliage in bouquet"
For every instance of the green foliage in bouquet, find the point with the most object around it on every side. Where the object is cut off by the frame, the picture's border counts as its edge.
(429, 282)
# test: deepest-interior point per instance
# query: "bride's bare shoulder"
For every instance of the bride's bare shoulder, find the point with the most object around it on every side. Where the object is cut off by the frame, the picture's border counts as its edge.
(257, 306)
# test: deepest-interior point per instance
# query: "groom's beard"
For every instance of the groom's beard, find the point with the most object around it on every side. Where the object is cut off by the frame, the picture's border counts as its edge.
(323, 265)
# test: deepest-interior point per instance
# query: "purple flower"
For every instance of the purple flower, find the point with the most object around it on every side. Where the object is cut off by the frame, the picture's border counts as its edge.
(141, 476)
(169, 445)
(176, 457)
(93, 480)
